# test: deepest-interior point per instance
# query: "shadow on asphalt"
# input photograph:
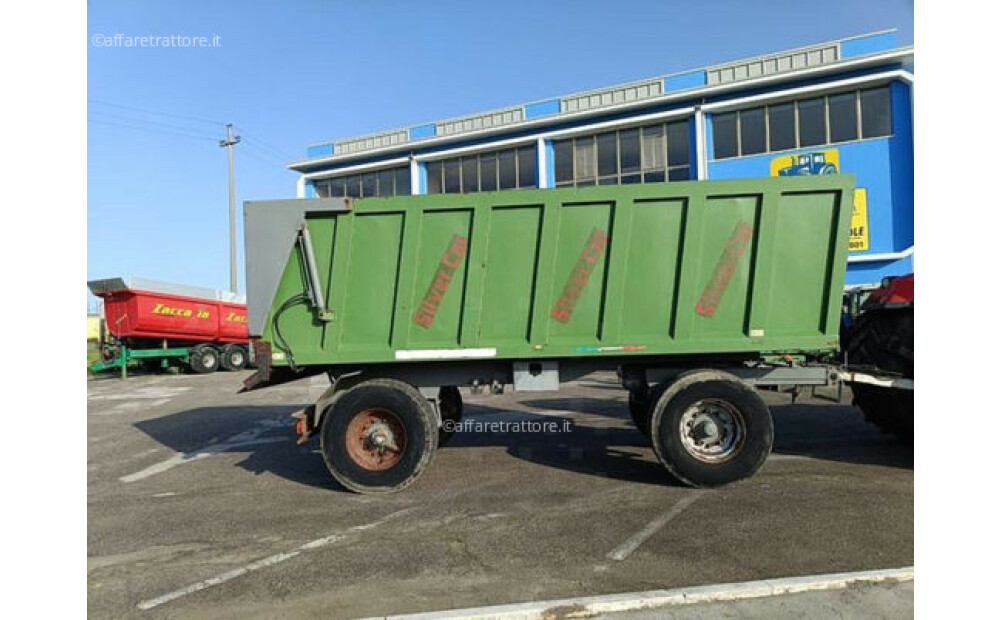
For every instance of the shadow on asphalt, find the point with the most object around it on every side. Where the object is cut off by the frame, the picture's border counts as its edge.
(826, 432)
(238, 430)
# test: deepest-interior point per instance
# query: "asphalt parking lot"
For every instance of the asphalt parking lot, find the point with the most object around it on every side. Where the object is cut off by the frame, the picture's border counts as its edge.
(200, 504)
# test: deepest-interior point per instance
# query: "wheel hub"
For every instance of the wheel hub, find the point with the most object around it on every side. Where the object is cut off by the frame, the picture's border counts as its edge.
(705, 430)
(712, 430)
(375, 439)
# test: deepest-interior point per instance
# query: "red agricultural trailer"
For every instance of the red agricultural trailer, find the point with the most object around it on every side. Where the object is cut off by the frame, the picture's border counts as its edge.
(159, 324)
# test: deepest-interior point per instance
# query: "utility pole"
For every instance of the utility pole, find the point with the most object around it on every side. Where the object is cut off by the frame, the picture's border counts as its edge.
(228, 143)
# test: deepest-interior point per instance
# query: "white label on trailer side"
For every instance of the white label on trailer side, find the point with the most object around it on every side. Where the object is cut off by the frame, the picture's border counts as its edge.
(444, 354)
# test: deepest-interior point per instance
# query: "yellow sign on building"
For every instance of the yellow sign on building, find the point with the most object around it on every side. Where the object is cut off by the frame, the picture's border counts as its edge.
(858, 241)
(826, 161)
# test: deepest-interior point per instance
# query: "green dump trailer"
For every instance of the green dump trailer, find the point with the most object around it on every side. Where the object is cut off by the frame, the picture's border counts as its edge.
(696, 293)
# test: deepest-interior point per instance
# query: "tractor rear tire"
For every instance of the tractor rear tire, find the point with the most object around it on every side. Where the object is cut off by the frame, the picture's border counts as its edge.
(204, 359)
(889, 409)
(882, 339)
(379, 436)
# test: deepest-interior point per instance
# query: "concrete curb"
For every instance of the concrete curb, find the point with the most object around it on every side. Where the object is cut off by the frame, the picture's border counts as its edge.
(583, 607)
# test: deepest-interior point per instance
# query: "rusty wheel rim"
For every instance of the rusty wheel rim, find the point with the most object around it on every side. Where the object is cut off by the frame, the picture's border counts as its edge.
(376, 439)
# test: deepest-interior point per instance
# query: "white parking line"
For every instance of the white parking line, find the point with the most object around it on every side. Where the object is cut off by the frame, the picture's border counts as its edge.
(270, 560)
(626, 548)
(135, 405)
(145, 393)
(240, 440)
(214, 581)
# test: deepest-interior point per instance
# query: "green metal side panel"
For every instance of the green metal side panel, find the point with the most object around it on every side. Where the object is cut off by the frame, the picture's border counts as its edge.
(371, 284)
(652, 261)
(670, 268)
(510, 275)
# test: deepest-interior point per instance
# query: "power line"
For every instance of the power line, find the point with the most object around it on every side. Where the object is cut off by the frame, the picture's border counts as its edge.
(142, 121)
(283, 157)
(259, 152)
(279, 152)
(148, 111)
(149, 129)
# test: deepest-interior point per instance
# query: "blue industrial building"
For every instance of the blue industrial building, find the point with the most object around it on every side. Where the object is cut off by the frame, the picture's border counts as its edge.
(841, 106)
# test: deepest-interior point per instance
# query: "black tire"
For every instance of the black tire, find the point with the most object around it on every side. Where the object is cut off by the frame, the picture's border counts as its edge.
(640, 410)
(234, 357)
(409, 411)
(450, 406)
(204, 359)
(889, 409)
(711, 391)
(882, 340)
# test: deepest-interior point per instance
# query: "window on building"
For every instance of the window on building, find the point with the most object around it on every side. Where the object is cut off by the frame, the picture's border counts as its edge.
(584, 161)
(507, 161)
(607, 158)
(354, 186)
(435, 177)
(725, 135)
(563, 153)
(386, 181)
(812, 122)
(402, 182)
(653, 155)
(781, 127)
(631, 158)
(452, 176)
(843, 117)
(487, 172)
(527, 167)
(678, 151)
(636, 155)
(753, 131)
(876, 113)
(368, 185)
(470, 174)
(840, 117)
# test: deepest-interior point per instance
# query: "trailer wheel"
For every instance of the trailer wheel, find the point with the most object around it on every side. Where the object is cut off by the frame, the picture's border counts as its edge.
(640, 409)
(379, 436)
(204, 359)
(234, 357)
(450, 406)
(710, 429)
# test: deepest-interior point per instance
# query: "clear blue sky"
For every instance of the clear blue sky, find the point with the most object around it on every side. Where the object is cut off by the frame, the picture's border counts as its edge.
(290, 74)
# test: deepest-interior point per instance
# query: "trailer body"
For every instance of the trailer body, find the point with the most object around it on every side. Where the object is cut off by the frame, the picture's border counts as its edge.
(657, 269)
(695, 292)
(152, 320)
